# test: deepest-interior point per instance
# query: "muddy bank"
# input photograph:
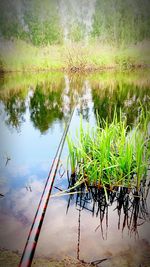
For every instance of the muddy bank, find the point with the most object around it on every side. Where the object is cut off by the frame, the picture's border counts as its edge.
(11, 259)
(134, 256)
(137, 256)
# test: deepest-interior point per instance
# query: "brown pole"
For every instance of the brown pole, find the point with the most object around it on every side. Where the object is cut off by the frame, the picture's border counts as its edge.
(29, 250)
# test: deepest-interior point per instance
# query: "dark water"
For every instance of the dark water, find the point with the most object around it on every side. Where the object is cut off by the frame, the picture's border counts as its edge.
(33, 112)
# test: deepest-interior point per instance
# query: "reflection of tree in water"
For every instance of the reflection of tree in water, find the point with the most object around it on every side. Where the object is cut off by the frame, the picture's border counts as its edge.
(125, 96)
(2, 79)
(79, 87)
(106, 97)
(55, 99)
(15, 107)
(50, 101)
(45, 107)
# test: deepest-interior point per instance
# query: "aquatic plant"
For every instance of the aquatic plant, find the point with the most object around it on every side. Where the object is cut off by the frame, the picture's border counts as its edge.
(111, 154)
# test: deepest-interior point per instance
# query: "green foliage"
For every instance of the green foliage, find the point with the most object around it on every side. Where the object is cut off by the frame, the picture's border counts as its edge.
(121, 22)
(114, 21)
(111, 154)
(33, 21)
(77, 32)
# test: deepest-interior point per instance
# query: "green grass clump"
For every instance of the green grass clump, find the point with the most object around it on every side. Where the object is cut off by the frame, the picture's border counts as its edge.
(111, 154)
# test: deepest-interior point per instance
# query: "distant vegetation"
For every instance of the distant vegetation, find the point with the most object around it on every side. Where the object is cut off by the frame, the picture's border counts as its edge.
(63, 23)
(121, 22)
(43, 22)
(33, 21)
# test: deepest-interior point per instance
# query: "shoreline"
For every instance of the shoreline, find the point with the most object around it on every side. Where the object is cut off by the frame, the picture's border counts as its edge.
(73, 69)
(10, 258)
(19, 56)
(126, 258)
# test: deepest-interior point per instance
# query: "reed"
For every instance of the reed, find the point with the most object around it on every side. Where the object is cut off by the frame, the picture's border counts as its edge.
(111, 154)
(130, 206)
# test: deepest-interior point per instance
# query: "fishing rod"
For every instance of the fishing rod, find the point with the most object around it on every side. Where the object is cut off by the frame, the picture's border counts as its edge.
(29, 250)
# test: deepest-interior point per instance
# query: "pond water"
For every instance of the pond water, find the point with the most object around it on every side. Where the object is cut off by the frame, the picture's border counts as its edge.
(34, 109)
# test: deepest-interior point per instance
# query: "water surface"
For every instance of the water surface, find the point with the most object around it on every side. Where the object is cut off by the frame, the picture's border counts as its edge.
(33, 112)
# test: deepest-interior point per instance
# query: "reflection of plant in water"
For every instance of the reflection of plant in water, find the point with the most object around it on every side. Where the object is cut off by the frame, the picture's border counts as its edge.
(121, 91)
(15, 107)
(121, 95)
(78, 88)
(45, 107)
(50, 99)
(46, 103)
(2, 79)
(55, 96)
(131, 205)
